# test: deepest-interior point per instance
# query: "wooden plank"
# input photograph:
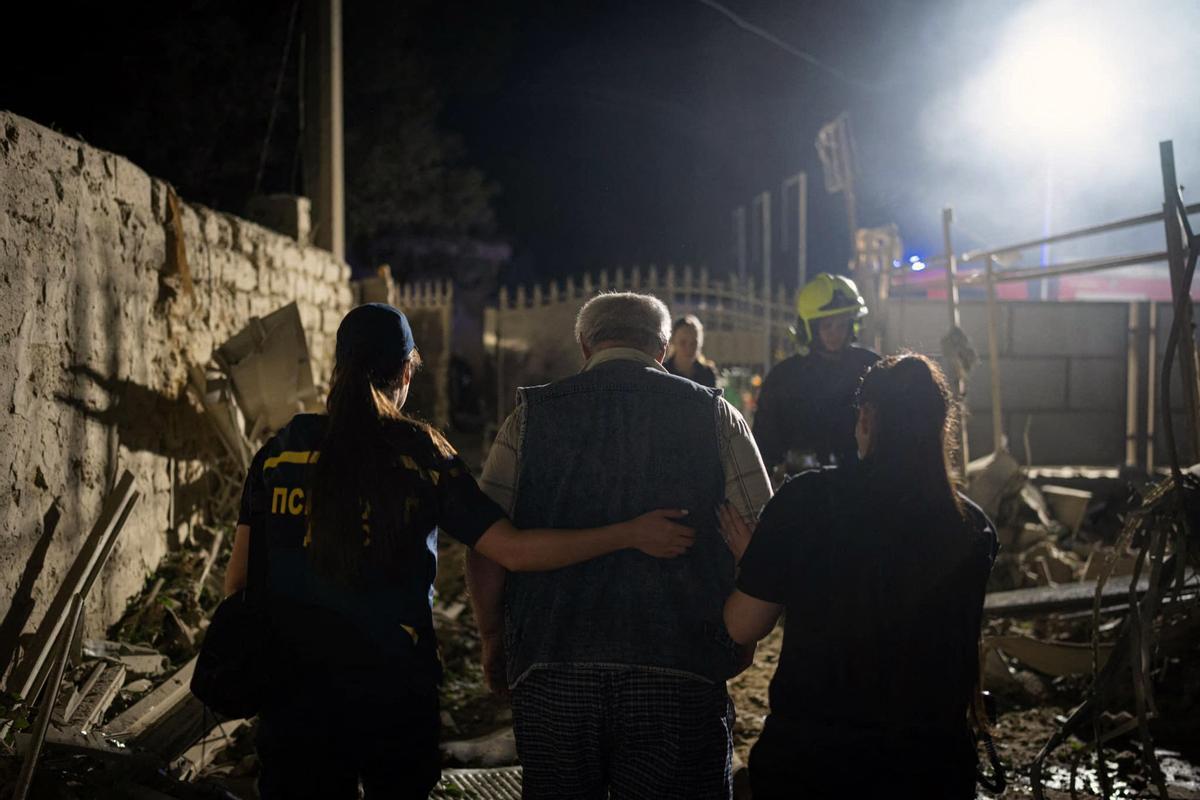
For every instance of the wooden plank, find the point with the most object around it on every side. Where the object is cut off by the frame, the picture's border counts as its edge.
(42, 723)
(153, 706)
(65, 710)
(29, 675)
(98, 699)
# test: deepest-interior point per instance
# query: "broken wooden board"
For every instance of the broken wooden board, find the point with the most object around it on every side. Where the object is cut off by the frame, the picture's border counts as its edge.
(1049, 658)
(193, 761)
(98, 697)
(30, 673)
(136, 658)
(145, 712)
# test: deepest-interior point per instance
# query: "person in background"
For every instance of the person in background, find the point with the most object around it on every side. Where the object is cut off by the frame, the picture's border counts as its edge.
(805, 413)
(882, 567)
(687, 358)
(617, 667)
(343, 509)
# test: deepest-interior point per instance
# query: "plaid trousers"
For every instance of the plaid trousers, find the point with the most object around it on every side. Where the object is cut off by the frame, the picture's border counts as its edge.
(593, 732)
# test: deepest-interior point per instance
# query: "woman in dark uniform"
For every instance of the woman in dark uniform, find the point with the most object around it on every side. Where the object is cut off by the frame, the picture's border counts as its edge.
(344, 510)
(882, 568)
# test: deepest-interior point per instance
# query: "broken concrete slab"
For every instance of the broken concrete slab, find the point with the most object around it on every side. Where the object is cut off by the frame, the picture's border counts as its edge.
(1069, 506)
(269, 369)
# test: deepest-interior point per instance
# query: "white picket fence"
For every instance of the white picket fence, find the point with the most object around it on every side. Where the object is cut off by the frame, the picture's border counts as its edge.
(530, 331)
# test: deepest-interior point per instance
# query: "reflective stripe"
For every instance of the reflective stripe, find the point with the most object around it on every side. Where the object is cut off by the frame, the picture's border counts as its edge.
(292, 457)
(411, 631)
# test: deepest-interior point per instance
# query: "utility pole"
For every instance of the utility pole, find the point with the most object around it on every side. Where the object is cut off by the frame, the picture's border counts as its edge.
(324, 156)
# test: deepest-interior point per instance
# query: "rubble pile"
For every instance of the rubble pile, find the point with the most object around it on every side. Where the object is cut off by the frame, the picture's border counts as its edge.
(1059, 536)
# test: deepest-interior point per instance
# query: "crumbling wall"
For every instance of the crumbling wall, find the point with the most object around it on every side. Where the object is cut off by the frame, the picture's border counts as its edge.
(111, 289)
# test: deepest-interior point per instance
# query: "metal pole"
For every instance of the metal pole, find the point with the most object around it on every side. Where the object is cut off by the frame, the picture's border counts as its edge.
(1182, 319)
(764, 203)
(1131, 388)
(739, 241)
(994, 360)
(959, 384)
(800, 181)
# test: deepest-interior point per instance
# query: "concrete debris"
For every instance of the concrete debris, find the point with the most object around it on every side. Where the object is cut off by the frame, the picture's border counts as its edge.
(269, 370)
(1069, 506)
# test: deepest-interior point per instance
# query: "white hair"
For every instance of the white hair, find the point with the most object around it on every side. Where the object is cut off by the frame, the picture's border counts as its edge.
(627, 318)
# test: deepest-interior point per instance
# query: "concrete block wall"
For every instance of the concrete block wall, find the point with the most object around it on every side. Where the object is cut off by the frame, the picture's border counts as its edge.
(1062, 372)
(99, 323)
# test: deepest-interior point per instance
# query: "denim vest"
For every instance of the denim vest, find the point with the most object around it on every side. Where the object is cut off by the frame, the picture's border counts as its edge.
(600, 447)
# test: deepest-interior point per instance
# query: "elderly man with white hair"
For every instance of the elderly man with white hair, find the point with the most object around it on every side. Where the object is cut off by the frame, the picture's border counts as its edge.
(617, 667)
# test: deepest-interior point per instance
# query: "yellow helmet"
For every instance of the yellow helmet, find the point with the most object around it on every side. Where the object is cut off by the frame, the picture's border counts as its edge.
(827, 296)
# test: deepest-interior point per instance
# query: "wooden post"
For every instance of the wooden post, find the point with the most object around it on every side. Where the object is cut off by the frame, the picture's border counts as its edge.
(958, 381)
(1151, 384)
(1132, 386)
(994, 357)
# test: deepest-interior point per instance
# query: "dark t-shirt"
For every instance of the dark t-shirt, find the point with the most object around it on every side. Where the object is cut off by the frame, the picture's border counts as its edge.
(883, 597)
(701, 373)
(807, 404)
(383, 621)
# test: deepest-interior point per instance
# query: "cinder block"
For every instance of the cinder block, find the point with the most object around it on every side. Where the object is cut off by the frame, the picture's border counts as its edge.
(1069, 329)
(1075, 437)
(919, 325)
(1025, 384)
(1096, 384)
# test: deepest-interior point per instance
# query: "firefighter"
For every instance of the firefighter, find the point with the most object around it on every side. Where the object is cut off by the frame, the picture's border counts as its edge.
(805, 414)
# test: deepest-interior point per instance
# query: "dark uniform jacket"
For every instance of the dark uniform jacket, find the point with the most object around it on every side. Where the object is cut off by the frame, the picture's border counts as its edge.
(807, 405)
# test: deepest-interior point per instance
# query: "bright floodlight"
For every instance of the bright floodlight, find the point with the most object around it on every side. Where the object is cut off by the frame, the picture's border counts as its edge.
(1053, 82)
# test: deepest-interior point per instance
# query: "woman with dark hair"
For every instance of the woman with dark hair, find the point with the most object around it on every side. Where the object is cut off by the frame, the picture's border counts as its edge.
(339, 522)
(881, 566)
(687, 352)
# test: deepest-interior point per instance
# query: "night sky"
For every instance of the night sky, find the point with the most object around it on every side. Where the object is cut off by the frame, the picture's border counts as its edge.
(617, 133)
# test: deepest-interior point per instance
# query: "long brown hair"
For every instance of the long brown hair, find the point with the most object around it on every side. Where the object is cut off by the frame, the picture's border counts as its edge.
(356, 497)
(912, 434)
